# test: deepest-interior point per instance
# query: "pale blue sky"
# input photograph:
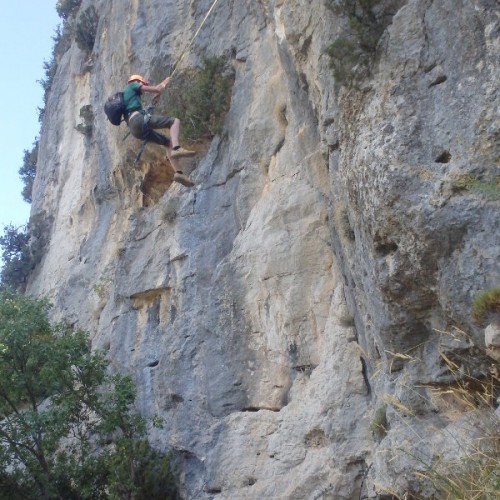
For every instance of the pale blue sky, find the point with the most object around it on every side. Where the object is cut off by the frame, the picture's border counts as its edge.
(26, 30)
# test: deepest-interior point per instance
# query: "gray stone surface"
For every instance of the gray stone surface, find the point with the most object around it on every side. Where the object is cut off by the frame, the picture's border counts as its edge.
(492, 335)
(327, 258)
(492, 340)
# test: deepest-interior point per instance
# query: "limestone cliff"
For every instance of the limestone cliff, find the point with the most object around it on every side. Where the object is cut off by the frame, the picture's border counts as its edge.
(288, 316)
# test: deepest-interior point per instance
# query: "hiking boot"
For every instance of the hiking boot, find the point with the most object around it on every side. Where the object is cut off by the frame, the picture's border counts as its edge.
(183, 179)
(181, 153)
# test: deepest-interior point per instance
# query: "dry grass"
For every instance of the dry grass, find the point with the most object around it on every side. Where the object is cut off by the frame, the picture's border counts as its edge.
(474, 477)
(468, 403)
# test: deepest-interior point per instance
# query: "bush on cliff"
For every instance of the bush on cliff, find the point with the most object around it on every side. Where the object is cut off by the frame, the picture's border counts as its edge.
(28, 171)
(352, 55)
(87, 115)
(86, 29)
(486, 306)
(67, 429)
(201, 97)
(66, 8)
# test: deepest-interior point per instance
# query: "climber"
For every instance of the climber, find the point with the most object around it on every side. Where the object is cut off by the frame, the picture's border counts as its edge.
(141, 124)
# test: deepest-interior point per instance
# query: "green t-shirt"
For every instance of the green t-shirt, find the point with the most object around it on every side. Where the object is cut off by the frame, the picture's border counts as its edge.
(132, 97)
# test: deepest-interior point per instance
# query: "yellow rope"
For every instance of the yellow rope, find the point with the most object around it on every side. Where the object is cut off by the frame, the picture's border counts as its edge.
(192, 39)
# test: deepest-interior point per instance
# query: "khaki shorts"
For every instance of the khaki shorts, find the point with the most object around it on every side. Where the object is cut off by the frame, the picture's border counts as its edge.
(145, 131)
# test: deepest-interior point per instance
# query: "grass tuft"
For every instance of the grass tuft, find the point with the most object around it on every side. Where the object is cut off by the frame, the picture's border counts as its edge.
(485, 305)
(489, 188)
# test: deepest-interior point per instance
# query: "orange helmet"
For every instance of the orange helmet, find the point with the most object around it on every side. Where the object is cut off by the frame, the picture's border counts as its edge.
(138, 78)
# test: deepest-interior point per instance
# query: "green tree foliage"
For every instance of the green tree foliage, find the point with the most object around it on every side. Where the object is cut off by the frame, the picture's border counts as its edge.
(16, 255)
(23, 248)
(67, 429)
(28, 171)
(138, 468)
(86, 29)
(200, 97)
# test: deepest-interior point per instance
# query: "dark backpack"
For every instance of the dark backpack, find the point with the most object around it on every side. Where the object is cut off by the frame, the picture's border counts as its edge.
(115, 108)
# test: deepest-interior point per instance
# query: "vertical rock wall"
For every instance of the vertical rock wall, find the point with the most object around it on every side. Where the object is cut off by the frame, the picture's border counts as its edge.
(273, 313)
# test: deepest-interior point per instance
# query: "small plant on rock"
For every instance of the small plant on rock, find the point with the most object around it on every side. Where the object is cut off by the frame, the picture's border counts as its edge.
(379, 424)
(486, 305)
(102, 287)
(488, 187)
(87, 114)
(352, 55)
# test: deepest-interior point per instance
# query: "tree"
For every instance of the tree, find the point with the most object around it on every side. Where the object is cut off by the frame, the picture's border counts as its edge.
(23, 248)
(16, 256)
(28, 171)
(67, 429)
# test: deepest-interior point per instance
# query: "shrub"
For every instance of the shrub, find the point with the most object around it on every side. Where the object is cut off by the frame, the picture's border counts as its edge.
(67, 429)
(86, 29)
(140, 471)
(346, 57)
(66, 8)
(28, 171)
(23, 248)
(16, 256)
(201, 98)
(485, 305)
(351, 56)
(87, 114)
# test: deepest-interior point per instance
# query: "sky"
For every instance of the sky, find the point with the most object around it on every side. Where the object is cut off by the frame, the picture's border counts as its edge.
(26, 31)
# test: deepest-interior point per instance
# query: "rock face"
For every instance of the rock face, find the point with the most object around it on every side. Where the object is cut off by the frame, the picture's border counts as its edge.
(287, 316)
